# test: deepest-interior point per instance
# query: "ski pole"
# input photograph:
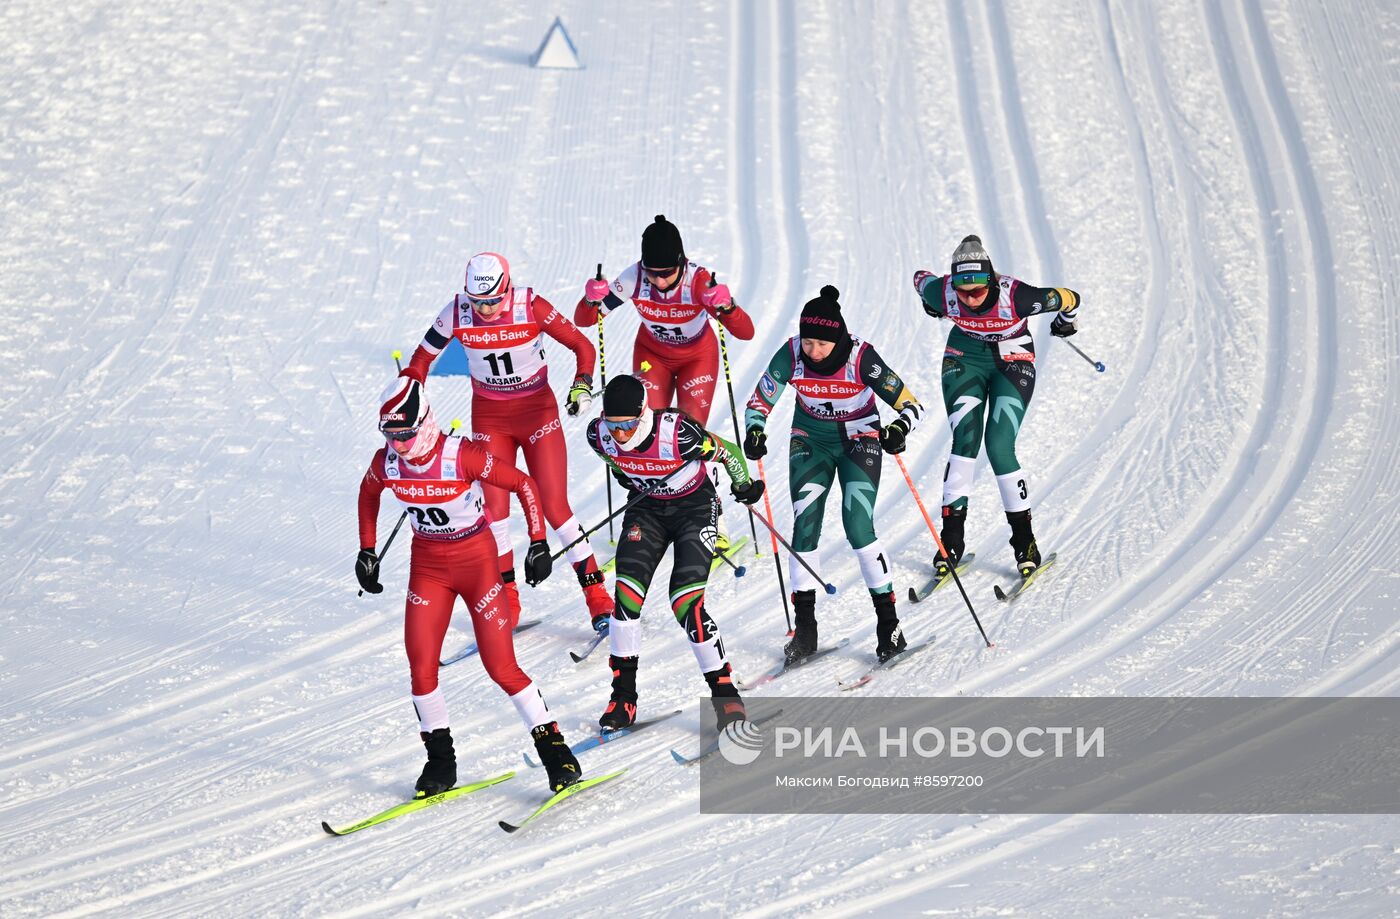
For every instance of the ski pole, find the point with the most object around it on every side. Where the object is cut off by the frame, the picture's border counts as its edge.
(830, 588)
(641, 493)
(943, 553)
(396, 354)
(739, 570)
(603, 372)
(777, 558)
(733, 410)
(1098, 365)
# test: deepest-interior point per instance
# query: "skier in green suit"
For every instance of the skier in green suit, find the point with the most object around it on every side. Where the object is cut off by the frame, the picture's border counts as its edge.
(836, 434)
(988, 379)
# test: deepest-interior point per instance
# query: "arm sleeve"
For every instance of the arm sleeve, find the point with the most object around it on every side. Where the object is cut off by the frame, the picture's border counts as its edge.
(586, 313)
(371, 489)
(888, 386)
(1032, 301)
(475, 463)
(931, 295)
(434, 340)
(736, 322)
(769, 389)
(697, 443)
(567, 334)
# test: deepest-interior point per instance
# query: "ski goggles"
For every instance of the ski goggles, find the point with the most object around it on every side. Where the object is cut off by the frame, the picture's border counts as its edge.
(400, 435)
(972, 282)
(615, 426)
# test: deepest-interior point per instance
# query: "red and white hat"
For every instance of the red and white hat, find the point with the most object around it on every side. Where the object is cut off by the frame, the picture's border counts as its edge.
(488, 276)
(404, 405)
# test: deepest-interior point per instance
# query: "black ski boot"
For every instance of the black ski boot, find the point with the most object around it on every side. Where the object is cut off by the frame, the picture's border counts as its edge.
(889, 638)
(804, 637)
(724, 696)
(440, 772)
(1023, 542)
(555, 755)
(622, 707)
(952, 537)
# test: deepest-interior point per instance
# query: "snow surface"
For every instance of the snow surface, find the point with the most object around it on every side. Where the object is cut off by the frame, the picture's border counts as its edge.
(218, 219)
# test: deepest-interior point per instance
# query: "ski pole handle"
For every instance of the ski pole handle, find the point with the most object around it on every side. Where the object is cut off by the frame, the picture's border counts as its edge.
(1097, 365)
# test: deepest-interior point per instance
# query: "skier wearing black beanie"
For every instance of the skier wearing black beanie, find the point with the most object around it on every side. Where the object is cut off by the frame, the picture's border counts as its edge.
(663, 454)
(676, 299)
(836, 434)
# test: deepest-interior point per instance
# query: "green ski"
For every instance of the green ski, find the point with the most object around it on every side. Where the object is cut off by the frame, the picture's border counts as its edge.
(416, 804)
(1006, 596)
(559, 797)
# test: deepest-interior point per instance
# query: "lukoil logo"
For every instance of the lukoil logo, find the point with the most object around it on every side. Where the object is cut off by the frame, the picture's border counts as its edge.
(740, 742)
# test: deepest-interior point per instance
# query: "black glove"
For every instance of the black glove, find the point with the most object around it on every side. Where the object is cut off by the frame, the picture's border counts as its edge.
(1061, 327)
(747, 494)
(538, 564)
(367, 571)
(755, 443)
(892, 436)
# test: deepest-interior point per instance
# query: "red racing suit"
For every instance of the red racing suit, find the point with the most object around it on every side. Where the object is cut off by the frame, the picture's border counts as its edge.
(452, 552)
(513, 406)
(675, 337)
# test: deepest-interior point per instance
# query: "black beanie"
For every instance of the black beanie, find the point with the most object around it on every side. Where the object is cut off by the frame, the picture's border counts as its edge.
(661, 244)
(821, 318)
(624, 397)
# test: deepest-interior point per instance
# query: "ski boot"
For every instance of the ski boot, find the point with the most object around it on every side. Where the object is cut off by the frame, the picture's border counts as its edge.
(804, 637)
(889, 637)
(622, 707)
(440, 772)
(600, 602)
(1023, 542)
(510, 593)
(724, 696)
(952, 538)
(555, 755)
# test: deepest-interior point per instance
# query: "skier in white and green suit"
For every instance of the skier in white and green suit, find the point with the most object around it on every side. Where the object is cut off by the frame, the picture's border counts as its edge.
(836, 434)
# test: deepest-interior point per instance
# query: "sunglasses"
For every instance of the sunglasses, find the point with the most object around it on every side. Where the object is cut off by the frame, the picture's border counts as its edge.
(489, 301)
(623, 425)
(971, 291)
(977, 278)
(401, 435)
(660, 272)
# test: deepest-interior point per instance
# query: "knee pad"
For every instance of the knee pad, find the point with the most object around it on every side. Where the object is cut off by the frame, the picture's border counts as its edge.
(958, 479)
(567, 532)
(529, 702)
(798, 576)
(431, 709)
(1015, 492)
(875, 567)
(500, 530)
(624, 637)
